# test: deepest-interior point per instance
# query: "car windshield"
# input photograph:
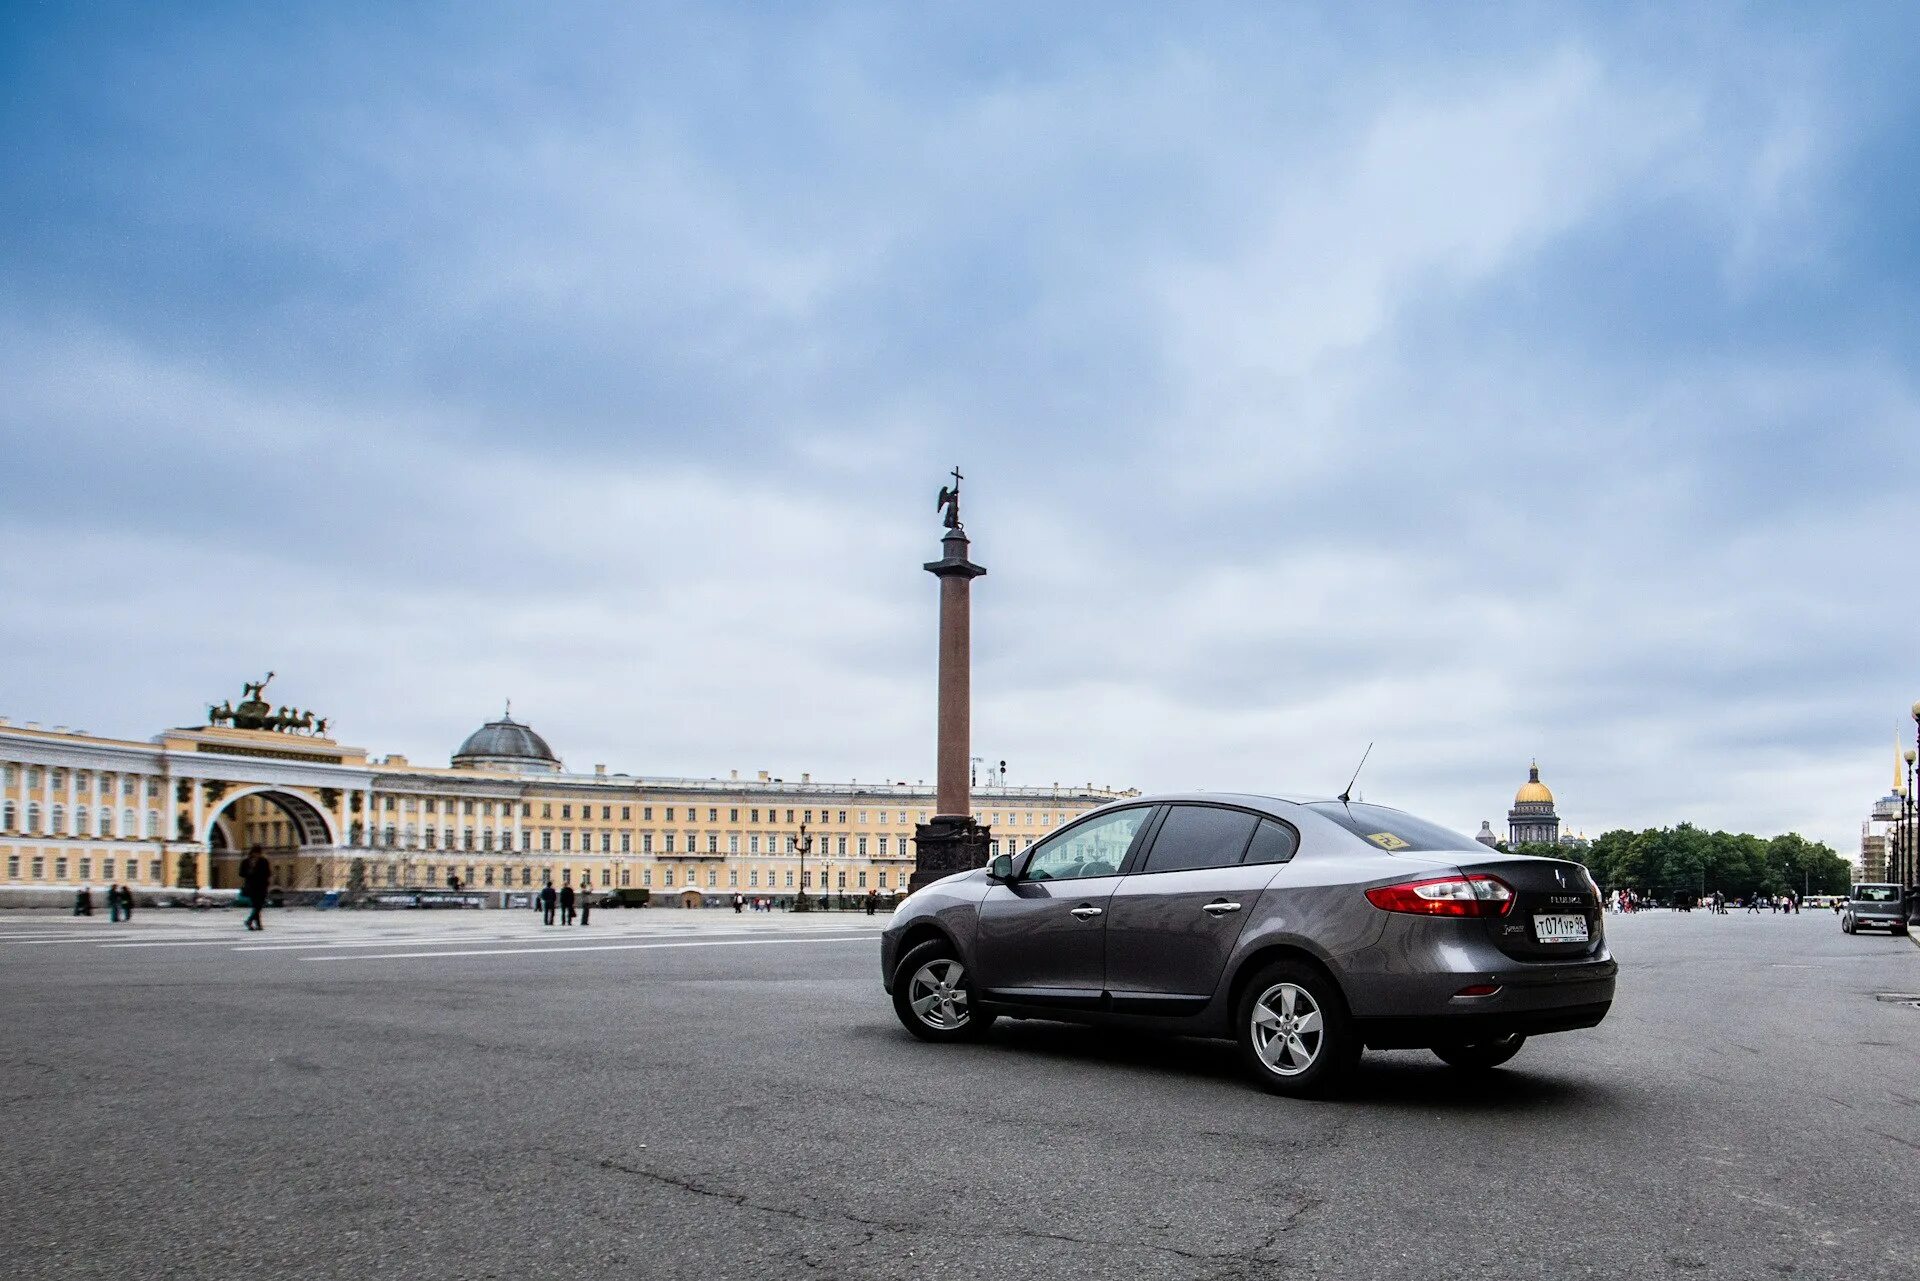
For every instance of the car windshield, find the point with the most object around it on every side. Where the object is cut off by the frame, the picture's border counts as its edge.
(1392, 830)
(1876, 893)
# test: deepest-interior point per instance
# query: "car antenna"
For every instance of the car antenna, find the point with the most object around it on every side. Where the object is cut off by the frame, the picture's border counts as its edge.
(1346, 796)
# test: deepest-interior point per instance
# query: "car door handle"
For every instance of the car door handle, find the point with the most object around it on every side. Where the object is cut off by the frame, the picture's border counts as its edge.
(1086, 912)
(1219, 909)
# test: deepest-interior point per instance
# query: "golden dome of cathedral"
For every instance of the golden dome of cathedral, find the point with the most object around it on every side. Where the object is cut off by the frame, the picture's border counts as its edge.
(1533, 791)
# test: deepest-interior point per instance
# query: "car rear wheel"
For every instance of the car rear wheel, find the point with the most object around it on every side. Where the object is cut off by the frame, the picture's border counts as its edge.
(1481, 1055)
(933, 995)
(1295, 1034)
(1846, 925)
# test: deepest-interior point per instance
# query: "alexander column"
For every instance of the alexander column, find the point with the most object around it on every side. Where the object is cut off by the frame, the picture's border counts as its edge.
(952, 842)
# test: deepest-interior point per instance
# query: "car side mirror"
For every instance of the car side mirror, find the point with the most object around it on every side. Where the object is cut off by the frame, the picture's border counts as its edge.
(1001, 869)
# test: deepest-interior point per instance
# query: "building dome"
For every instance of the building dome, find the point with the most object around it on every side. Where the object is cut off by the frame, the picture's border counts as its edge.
(1533, 791)
(506, 744)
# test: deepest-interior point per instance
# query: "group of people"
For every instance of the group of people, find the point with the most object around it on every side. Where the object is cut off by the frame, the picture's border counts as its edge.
(548, 904)
(1714, 902)
(119, 902)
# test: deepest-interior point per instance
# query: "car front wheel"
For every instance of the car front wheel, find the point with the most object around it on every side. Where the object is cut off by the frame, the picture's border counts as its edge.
(933, 995)
(1295, 1034)
(1481, 1055)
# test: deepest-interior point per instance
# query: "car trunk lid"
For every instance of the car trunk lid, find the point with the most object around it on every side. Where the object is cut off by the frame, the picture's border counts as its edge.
(1555, 914)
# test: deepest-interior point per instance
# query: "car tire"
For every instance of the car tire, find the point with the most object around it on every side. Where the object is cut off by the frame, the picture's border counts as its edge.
(1480, 1056)
(933, 995)
(1296, 1036)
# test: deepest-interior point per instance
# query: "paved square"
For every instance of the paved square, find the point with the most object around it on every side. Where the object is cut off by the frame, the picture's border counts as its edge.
(669, 1094)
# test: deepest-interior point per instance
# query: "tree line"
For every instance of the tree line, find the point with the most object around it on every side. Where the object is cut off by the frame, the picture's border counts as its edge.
(1666, 861)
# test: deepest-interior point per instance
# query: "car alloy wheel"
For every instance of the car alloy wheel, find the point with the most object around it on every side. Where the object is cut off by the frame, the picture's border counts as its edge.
(932, 995)
(1288, 1029)
(937, 993)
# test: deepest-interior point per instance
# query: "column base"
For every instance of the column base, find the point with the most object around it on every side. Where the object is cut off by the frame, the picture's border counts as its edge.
(950, 843)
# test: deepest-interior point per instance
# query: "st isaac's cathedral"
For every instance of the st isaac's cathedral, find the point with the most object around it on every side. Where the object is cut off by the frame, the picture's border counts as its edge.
(1532, 820)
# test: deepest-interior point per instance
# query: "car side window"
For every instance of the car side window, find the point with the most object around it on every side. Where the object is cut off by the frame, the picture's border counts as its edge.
(1272, 843)
(1199, 836)
(1095, 848)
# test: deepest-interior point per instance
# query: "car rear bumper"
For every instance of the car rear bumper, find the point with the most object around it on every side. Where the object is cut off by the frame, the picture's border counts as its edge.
(1465, 1029)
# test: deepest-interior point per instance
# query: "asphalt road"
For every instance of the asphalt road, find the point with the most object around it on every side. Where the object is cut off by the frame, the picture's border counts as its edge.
(417, 1096)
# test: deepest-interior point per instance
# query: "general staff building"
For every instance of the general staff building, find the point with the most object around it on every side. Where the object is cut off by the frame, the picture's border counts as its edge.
(178, 811)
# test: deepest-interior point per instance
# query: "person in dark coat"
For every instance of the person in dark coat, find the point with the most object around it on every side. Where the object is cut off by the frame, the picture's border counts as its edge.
(83, 901)
(113, 902)
(586, 903)
(126, 902)
(566, 905)
(547, 901)
(256, 874)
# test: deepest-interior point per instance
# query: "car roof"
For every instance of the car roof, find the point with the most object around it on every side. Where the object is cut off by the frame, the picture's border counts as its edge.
(1252, 800)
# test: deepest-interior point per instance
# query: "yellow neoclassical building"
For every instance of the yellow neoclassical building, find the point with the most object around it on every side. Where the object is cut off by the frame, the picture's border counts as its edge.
(504, 816)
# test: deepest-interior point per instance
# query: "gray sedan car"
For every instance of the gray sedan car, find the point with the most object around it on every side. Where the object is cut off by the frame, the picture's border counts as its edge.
(1303, 929)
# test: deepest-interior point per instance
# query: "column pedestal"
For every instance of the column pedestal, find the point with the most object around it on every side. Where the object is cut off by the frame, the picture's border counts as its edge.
(949, 844)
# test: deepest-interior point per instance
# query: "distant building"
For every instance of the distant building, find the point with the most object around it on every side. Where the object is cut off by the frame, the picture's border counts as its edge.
(1532, 820)
(1873, 856)
(1485, 836)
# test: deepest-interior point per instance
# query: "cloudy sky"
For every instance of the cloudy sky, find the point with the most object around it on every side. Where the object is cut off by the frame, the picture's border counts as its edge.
(1521, 381)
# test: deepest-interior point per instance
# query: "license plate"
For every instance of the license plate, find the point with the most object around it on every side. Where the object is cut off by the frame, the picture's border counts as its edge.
(1560, 929)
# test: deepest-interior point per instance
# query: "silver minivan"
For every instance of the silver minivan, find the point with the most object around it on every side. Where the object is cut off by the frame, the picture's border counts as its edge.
(1874, 905)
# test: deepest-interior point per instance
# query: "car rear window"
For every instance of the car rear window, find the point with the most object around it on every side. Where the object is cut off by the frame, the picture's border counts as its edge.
(1876, 893)
(1393, 830)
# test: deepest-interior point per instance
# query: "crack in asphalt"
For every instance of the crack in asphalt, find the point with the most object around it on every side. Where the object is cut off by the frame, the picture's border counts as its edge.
(877, 1226)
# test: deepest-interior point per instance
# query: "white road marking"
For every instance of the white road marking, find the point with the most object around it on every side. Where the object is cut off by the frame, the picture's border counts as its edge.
(592, 947)
(421, 942)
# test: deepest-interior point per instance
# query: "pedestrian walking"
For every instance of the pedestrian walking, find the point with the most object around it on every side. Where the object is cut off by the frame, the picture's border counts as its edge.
(873, 902)
(256, 874)
(566, 905)
(586, 904)
(739, 902)
(546, 901)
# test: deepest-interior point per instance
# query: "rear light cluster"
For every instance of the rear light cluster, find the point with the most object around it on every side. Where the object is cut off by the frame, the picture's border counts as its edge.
(1476, 895)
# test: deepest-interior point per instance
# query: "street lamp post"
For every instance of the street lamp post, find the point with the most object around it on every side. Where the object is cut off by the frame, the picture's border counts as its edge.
(802, 844)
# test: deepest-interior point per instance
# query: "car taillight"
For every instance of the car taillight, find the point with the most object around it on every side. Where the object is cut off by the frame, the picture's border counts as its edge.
(1476, 895)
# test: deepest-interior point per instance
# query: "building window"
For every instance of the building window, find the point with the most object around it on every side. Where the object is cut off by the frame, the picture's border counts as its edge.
(883, 878)
(843, 817)
(789, 880)
(59, 868)
(646, 877)
(526, 842)
(8, 814)
(546, 841)
(841, 846)
(33, 817)
(733, 816)
(753, 845)
(733, 842)
(863, 880)
(713, 842)
(883, 847)
(606, 842)
(39, 867)
(13, 865)
(753, 879)
(713, 816)
(862, 847)
(153, 823)
(733, 878)
(669, 878)
(566, 840)
(606, 877)
(86, 868)
(646, 842)
(126, 823)
(59, 820)
(646, 814)
(713, 878)
(669, 843)
(840, 880)
(626, 842)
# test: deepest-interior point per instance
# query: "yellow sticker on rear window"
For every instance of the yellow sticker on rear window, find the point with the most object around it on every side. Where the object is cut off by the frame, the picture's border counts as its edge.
(1387, 841)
